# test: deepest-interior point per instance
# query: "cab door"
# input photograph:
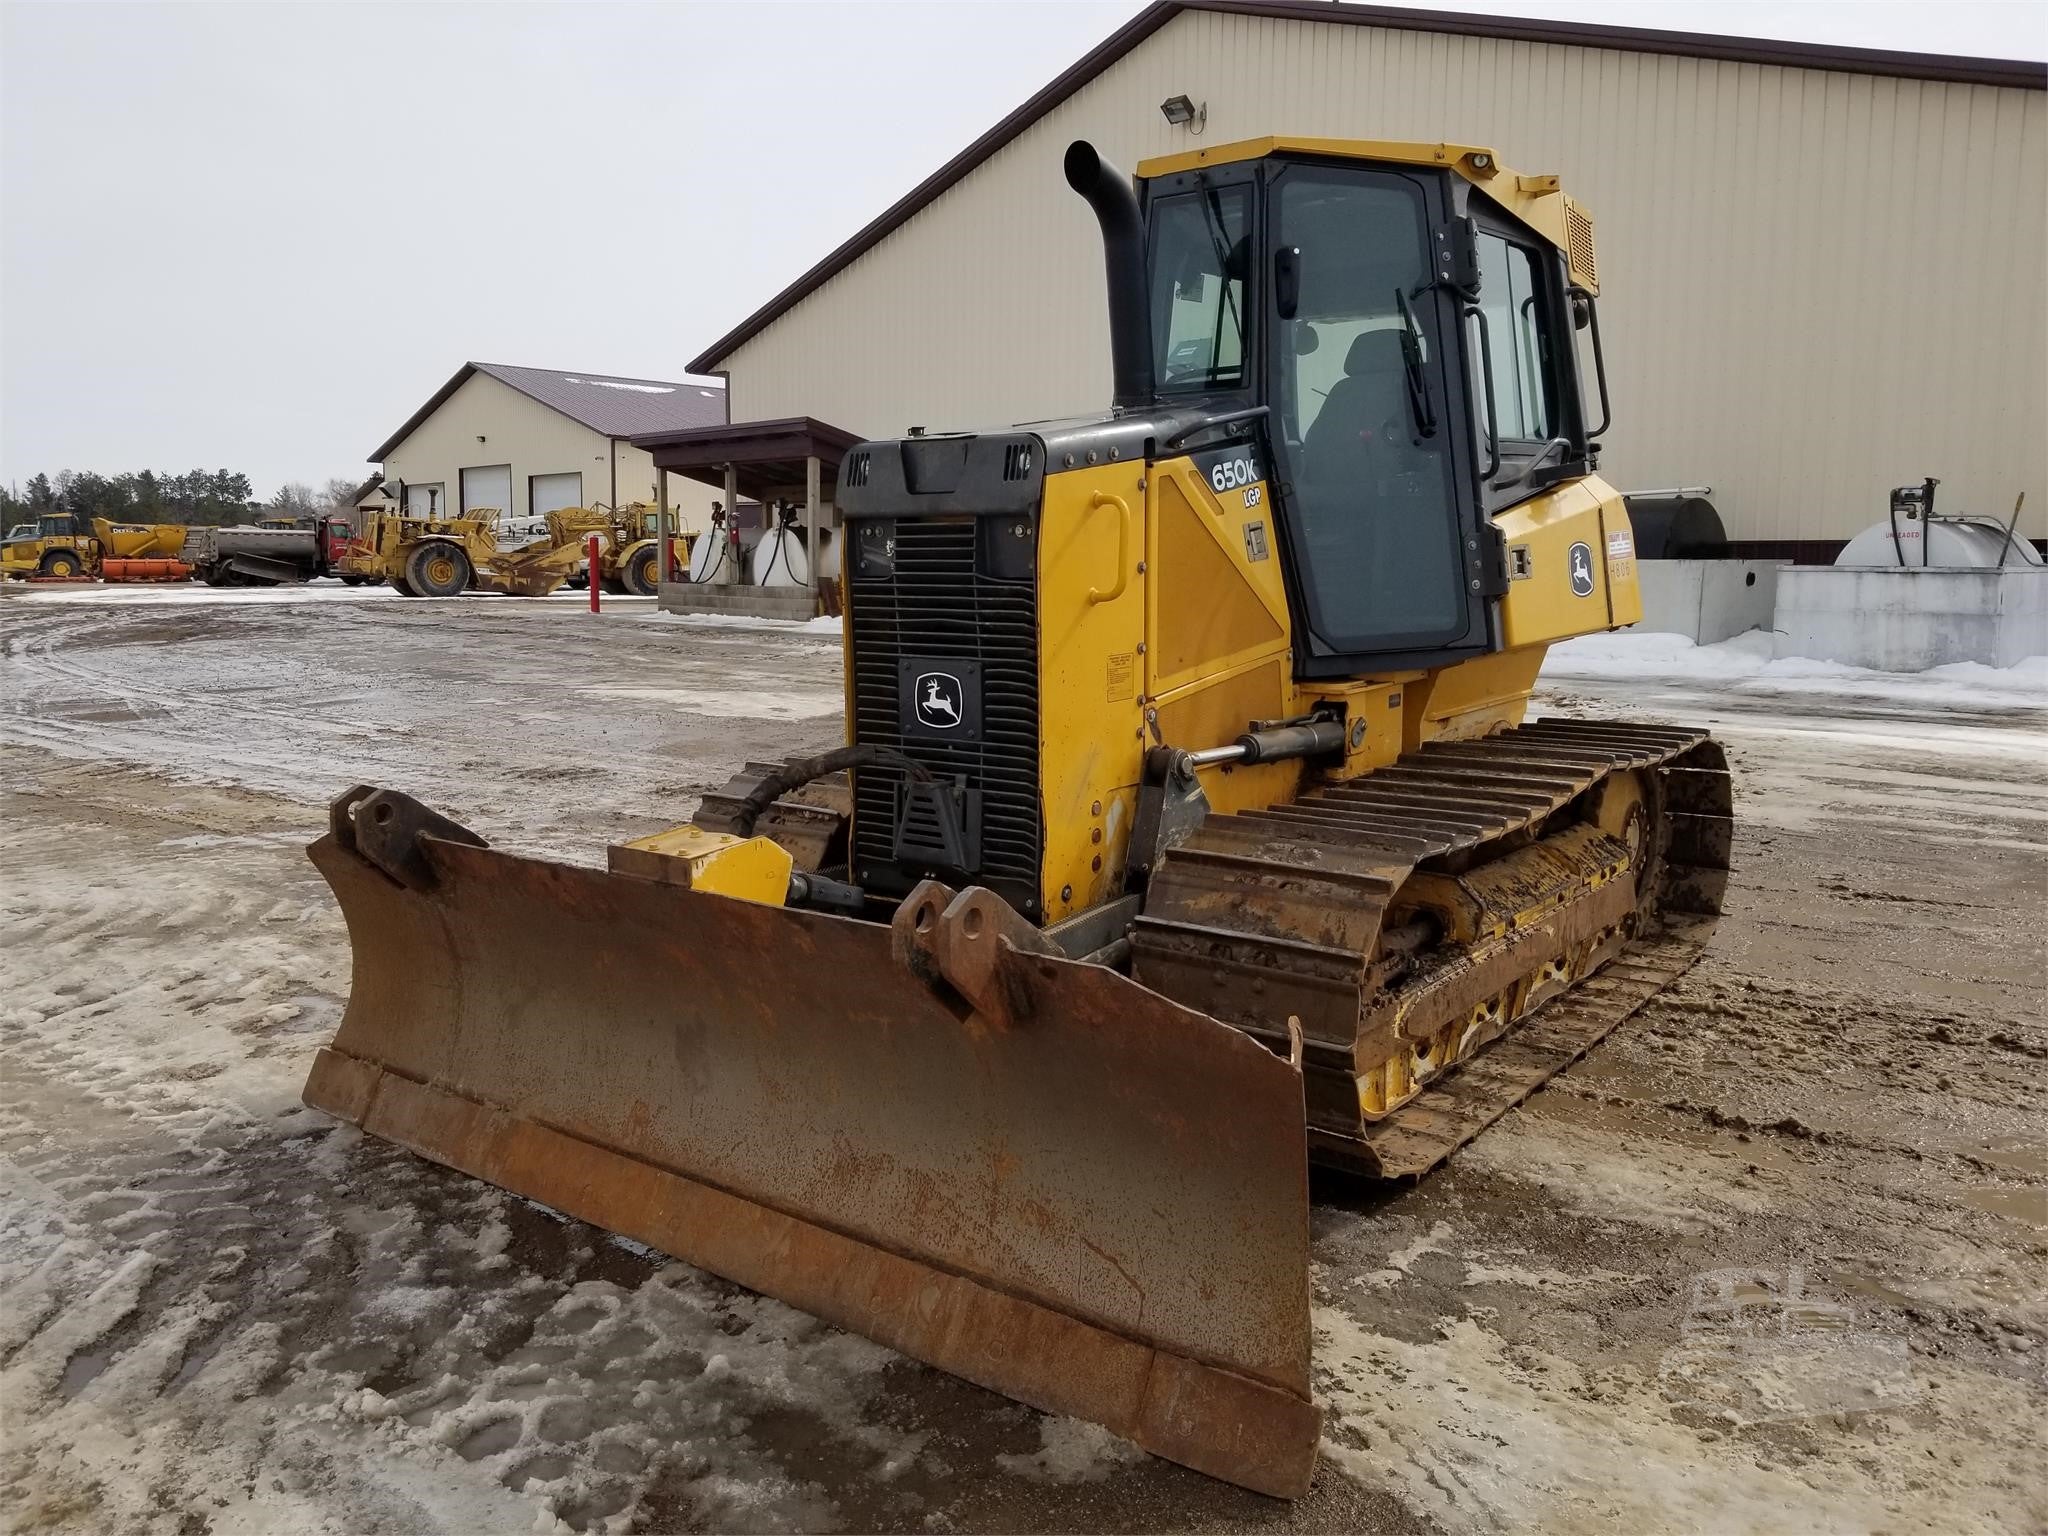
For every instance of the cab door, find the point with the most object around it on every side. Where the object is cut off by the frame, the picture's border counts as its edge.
(1378, 492)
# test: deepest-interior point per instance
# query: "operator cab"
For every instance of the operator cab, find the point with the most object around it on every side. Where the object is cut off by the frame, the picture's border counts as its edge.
(1400, 343)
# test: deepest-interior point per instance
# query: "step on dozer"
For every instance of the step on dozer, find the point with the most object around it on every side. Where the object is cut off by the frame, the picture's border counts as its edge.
(1190, 827)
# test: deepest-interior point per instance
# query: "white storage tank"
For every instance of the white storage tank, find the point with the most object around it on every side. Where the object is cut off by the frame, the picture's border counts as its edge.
(779, 559)
(1914, 535)
(715, 560)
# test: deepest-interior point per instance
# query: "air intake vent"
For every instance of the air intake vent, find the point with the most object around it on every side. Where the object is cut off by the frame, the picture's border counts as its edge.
(1578, 243)
(857, 469)
(1017, 461)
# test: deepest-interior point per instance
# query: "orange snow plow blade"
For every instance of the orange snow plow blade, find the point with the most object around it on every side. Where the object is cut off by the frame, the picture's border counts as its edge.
(1026, 1170)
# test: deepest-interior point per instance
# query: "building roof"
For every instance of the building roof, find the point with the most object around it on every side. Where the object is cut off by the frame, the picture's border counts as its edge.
(2019, 73)
(604, 402)
(765, 456)
(372, 486)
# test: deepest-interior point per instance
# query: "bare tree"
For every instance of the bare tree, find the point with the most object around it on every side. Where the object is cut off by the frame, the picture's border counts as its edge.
(293, 499)
(337, 497)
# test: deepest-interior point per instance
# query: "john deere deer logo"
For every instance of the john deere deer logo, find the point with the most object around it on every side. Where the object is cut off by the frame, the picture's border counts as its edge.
(938, 700)
(1582, 570)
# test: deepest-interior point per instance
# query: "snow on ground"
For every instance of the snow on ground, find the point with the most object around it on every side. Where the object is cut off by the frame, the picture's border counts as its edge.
(141, 594)
(822, 625)
(1746, 661)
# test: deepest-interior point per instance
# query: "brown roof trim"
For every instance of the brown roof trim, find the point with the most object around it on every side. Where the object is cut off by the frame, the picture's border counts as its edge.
(737, 434)
(2020, 74)
(898, 213)
(760, 453)
(1953, 69)
(433, 404)
(789, 439)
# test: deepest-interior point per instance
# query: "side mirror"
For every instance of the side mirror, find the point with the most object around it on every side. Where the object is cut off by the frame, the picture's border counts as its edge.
(1287, 280)
(1586, 316)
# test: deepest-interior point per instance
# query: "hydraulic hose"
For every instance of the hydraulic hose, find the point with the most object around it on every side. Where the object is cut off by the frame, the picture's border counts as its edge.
(806, 769)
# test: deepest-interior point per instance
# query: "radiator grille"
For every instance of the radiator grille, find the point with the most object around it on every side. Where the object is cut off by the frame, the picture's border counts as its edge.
(936, 603)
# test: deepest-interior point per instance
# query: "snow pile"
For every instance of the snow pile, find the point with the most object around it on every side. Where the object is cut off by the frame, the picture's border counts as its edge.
(1746, 661)
(783, 703)
(159, 593)
(824, 624)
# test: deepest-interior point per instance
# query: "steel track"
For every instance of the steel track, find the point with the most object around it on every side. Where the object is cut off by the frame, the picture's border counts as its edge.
(1266, 915)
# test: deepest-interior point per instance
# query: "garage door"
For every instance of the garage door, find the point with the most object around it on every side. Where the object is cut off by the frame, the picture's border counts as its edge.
(551, 493)
(426, 500)
(489, 487)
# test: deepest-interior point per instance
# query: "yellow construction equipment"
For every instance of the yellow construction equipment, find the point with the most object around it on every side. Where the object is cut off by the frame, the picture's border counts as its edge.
(447, 556)
(67, 547)
(631, 562)
(1190, 827)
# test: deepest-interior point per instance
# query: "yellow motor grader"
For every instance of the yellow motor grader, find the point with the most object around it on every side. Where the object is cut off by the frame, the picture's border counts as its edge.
(1190, 827)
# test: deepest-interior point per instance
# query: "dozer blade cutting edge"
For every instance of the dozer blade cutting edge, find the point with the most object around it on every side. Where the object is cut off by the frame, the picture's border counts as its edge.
(1026, 1170)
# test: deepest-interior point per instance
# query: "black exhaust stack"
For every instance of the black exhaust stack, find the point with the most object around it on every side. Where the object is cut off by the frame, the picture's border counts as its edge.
(1115, 201)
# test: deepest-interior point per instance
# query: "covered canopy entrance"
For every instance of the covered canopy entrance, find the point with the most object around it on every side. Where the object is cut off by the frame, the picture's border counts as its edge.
(773, 474)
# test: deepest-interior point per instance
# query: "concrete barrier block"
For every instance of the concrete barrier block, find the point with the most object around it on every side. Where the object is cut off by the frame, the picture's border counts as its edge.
(1910, 619)
(1706, 600)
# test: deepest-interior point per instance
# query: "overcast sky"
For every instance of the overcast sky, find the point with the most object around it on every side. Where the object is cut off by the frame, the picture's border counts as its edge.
(257, 236)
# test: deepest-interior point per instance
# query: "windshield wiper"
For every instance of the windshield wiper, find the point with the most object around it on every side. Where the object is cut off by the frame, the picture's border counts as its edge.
(1412, 368)
(1212, 216)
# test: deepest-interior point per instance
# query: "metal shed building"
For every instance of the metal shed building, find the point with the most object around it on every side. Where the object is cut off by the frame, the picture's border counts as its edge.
(1822, 268)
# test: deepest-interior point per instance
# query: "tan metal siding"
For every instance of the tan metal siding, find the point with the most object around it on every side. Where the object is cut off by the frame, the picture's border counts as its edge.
(535, 440)
(1816, 285)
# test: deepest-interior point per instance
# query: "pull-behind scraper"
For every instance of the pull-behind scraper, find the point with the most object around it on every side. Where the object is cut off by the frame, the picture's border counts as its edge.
(1189, 829)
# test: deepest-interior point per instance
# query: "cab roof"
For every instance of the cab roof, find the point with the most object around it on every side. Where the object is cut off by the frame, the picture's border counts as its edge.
(1538, 201)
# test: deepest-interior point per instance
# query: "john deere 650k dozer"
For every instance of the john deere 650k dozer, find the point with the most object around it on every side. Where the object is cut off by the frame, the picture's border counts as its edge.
(1189, 829)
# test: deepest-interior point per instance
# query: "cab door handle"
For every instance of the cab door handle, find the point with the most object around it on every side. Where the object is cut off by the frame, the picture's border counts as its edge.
(1123, 547)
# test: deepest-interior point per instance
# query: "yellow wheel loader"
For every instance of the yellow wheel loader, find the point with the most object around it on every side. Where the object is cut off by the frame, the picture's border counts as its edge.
(632, 561)
(1190, 828)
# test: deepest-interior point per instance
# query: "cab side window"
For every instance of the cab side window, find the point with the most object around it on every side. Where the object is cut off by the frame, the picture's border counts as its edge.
(1511, 299)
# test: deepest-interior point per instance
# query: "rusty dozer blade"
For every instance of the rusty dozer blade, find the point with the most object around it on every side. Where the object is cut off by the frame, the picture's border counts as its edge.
(1029, 1171)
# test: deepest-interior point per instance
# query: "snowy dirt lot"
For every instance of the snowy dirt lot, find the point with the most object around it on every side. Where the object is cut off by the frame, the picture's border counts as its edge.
(1770, 1259)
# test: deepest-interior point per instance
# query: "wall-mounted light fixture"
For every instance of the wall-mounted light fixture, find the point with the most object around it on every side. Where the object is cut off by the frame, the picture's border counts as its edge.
(1183, 113)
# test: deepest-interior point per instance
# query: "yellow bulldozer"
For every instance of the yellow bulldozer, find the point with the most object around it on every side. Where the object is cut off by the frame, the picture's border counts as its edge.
(66, 547)
(1191, 827)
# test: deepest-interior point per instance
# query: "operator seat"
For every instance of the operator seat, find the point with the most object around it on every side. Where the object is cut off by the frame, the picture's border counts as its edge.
(1361, 432)
(1375, 500)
